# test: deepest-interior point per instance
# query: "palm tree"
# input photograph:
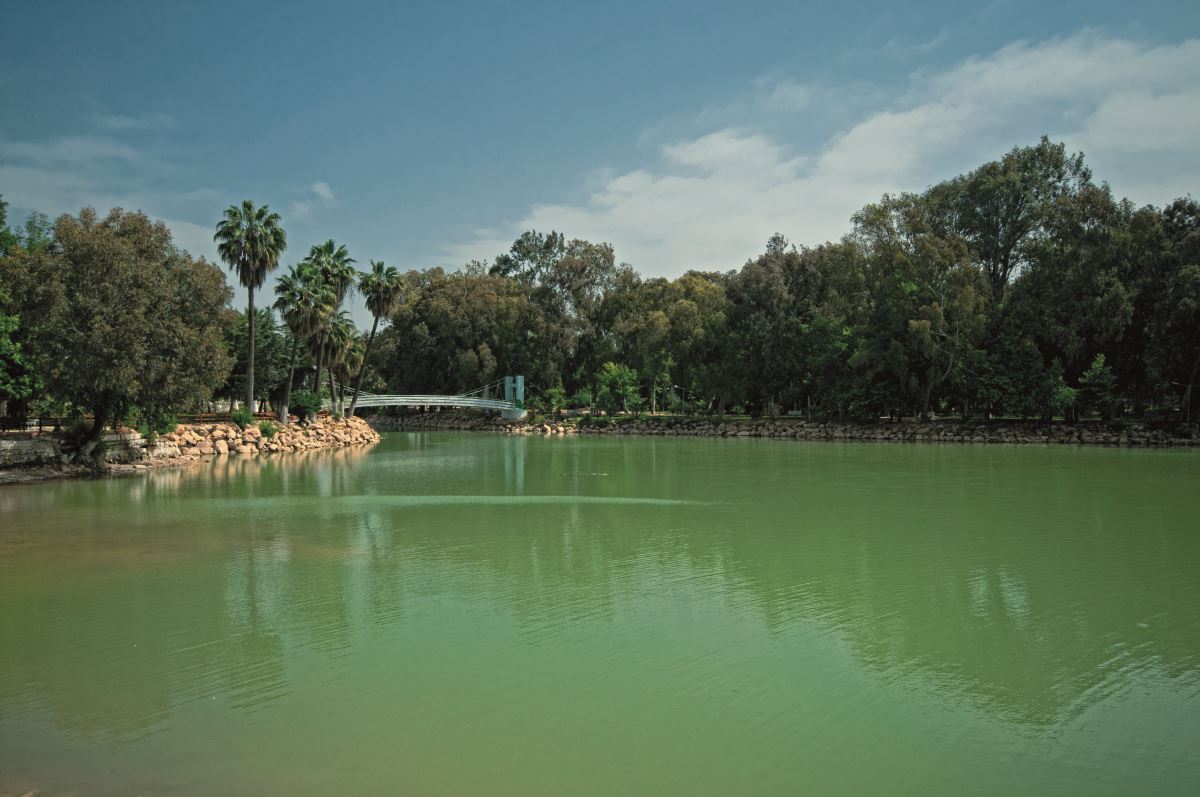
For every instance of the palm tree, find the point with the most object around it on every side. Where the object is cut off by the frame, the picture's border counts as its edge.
(335, 270)
(250, 240)
(338, 336)
(382, 288)
(337, 267)
(348, 365)
(304, 302)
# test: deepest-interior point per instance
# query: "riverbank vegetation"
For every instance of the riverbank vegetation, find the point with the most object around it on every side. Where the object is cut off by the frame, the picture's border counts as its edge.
(1023, 288)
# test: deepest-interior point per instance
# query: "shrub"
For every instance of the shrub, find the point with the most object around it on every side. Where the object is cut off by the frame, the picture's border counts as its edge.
(1097, 388)
(269, 429)
(556, 397)
(242, 416)
(75, 437)
(617, 389)
(154, 423)
(74, 434)
(304, 404)
(581, 399)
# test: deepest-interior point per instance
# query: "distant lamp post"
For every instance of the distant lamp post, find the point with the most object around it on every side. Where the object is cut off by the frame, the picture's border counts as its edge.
(682, 389)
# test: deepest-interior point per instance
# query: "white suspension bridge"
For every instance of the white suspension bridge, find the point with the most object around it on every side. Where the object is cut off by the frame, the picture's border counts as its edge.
(511, 406)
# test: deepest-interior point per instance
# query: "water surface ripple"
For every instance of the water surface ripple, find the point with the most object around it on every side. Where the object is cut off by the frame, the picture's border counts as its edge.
(464, 614)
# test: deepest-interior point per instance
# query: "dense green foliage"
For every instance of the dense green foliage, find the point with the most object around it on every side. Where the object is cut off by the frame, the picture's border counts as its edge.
(242, 417)
(272, 347)
(16, 375)
(1023, 288)
(114, 316)
(305, 404)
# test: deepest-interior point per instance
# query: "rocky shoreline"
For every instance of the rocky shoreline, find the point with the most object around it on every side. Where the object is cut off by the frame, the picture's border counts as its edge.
(200, 440)
(39, 457)
(1099, 433)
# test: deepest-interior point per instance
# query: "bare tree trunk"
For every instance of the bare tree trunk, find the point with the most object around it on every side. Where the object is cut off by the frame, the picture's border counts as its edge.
(284, 417)
(320, 365)
(1185, 406)
(250, 367)
(363, 369)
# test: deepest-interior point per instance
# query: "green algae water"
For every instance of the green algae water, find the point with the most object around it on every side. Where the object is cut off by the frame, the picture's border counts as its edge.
(476, 614)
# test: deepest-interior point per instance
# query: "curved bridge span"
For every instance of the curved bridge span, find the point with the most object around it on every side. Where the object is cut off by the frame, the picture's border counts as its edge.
(511, 407)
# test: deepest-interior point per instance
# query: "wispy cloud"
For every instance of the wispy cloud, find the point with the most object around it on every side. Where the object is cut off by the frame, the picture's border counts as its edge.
(319, 194)
(77, 150)
(147, 121)
(61, 174)
(322, 190)
(712, 200)
(900, 49)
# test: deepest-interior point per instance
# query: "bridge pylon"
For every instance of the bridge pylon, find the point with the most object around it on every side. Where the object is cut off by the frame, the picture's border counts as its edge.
(514, 391)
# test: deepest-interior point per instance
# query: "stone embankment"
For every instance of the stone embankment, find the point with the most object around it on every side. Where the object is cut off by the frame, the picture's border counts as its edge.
(201, 440)
(949, 431)
(34, 457)
(466, 422)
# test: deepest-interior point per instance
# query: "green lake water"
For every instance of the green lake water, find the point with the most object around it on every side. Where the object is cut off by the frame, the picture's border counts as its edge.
(479, 614)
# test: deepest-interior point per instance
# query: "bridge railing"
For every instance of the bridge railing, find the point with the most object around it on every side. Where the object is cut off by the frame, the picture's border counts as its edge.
(435, 401)
(472, 400)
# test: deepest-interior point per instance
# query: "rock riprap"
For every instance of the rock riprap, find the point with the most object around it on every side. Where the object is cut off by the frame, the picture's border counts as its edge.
(1099, 433)
(225, 439)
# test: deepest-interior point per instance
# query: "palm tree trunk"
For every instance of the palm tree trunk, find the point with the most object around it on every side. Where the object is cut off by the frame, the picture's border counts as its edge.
(1185, 405)
(332, 391)
(320, 364)
(363, 369)
(284, 417)
(250, 367)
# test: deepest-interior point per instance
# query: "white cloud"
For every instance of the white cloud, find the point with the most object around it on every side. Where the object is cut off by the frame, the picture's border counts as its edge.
(322, 189)
(195, 238)
(74, 150)
(711, 201)
(63, 174)
(319, 194)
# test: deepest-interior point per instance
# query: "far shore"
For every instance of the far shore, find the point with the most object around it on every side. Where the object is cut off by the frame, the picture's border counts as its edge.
(1132, 434)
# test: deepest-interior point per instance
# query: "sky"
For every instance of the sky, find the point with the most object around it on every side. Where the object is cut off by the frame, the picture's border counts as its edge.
(684, 133)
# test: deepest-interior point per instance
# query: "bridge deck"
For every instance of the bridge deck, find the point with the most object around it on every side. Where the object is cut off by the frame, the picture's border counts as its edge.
(510, 409)
(474, 402)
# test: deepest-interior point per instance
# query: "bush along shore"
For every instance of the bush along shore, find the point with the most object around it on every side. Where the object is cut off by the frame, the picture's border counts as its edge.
(1133, 434)
(32, 457)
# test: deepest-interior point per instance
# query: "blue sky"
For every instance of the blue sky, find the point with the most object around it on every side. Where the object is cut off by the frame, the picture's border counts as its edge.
(683, 133)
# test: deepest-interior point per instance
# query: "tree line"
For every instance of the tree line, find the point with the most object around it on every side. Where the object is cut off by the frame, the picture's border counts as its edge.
(1023, 288)
(106, 316)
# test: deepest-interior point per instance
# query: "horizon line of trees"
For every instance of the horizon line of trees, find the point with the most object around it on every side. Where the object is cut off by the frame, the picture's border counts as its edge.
(1023, 288)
